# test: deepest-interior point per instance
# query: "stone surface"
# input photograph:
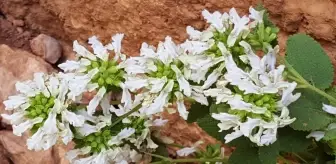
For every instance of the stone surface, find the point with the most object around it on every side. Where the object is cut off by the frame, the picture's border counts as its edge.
(46, 47)
(13, 36)
(15, 151)
(17, 65)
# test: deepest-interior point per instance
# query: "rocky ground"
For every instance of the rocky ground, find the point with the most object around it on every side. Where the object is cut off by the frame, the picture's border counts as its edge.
(36, 35)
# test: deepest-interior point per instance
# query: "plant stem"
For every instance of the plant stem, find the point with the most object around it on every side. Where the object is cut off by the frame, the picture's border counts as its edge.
(158, 156)
(191, 160)
(299, 79)
(322, 93)
(297, 156)
(126, 115)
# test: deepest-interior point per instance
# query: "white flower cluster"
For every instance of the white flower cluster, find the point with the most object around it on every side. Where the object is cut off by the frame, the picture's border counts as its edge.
(252, 87)
(218, 63)
(51, 107)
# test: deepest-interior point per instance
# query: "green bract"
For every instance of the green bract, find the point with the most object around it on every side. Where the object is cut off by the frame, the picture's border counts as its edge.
(40, 106)
(109, 74)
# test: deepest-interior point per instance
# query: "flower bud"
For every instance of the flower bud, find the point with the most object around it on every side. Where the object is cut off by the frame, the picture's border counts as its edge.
(101, 81)
(112, 69)
(109, 80)
(94, 64)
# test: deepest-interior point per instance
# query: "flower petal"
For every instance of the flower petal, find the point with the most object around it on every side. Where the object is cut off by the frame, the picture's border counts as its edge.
(95, 101)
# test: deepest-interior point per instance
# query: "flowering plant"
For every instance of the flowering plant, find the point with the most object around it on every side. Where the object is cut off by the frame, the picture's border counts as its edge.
(228, 78)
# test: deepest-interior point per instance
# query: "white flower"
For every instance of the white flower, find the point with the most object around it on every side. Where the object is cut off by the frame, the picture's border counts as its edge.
(161, 100)
(257, 16)
(22, 127)
(198, 95)
(180, 106)
(234, 135)
(212, 78)
(14, 102)
(159, 122)
(124, 133)
(95, 101)
(240, 27)
(247, 127)
(318, 135)
(227, 120)
(73, 118)
(184, 84)
(215, 19)
(198, 35)
(188, 150)
(329, 109)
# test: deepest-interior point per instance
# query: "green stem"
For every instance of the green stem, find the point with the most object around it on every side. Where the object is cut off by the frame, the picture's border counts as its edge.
(115, 102)
(158, 156)
(299, 79)
(126, 115)
(297, 156)
(191, 160)
(322, 93)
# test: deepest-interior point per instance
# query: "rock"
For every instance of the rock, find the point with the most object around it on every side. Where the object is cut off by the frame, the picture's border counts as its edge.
(46, 47)
(68, 53)
(17, 65)
(13, 149)
(12, 35)
(16, 150)
(18, 22)
(19, 29)
(186, 134)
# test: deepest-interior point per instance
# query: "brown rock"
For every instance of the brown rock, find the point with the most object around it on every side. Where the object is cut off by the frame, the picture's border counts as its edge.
(19, 29)
(68, 53)
(46, 47)
(10, 35)
(16, 150)
(17, 65)
(18, 22)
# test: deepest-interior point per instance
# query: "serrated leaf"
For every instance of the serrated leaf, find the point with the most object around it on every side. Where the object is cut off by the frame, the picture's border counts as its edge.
(197, 111)
(330, 135)
(309, 59)
(269, 154)
(308, 112)
(293, 141)
(209, 125)
(245, 154)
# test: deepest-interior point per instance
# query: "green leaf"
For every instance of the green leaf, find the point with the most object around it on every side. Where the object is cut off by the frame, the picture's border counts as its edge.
(293, 141)
(309, 59)
(330, 135)
(161, 150)
(209, 125)
(197, 111)
(308, 112)
(245, 154)
(269, 154)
